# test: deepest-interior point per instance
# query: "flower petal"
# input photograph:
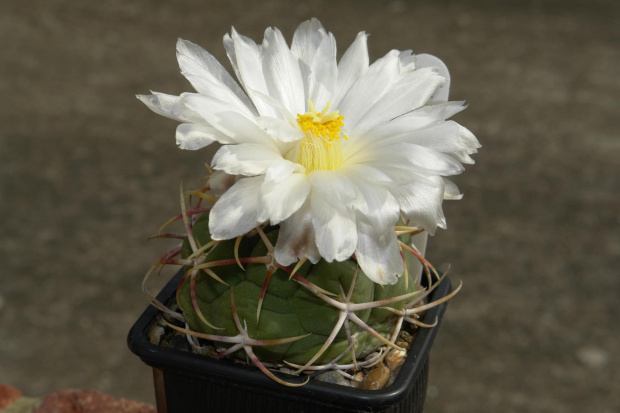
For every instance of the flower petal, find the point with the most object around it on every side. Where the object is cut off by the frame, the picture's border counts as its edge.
(196, 136)
(209, 77)
(410, 92)
(229, 45)
(244, 159)
(401, 128)
(369, 88)
(445, 137)
(335, 187)
(420, 201)
(378, 253)
(279, 200)
(377, 205)
(451, 191)
(408, 157)
(235, 213)
(324, 72)
(275, 105)
(281, 71)
(331, 202)
(334, 227)
(281, 169)
(306, 39)
(280, 129)
(246, 58)
(170, 106)
(420, 118)
(370, 173)
(442, 137)
(226, 119)
(469, 145)
(442, 92)
(296, 238)
(352, 65)
(407, 61)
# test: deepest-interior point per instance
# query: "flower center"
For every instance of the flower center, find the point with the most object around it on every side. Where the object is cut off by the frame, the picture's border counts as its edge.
(320, 149)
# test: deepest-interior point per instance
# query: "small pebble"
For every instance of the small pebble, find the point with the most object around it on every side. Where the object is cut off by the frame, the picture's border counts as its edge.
(359, 376)
(395, 360)
(332, 377)
(376, 378)
(155, 333)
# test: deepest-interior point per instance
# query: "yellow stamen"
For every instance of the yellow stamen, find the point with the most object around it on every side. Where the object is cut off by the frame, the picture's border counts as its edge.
(320, 149)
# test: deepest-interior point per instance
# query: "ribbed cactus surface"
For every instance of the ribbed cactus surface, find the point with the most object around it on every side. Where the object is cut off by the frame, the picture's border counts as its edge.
(288, 309)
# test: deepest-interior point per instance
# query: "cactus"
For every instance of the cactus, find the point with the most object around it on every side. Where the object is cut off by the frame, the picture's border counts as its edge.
(329, 155)
(309, 317)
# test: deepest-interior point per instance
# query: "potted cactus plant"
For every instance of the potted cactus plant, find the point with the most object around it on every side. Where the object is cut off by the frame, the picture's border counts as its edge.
(303, 251)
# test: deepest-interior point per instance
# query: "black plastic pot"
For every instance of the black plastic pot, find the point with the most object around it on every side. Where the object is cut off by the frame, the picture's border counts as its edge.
(187, 383)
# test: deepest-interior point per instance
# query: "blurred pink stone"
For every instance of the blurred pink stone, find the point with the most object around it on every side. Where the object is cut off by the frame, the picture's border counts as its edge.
(8, 395)
(90, 401)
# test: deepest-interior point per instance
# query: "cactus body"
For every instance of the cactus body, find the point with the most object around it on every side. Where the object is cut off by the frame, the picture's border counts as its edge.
(288, 309)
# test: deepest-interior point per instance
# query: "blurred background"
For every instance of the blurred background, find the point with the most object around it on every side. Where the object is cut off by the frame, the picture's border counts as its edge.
(87, 173)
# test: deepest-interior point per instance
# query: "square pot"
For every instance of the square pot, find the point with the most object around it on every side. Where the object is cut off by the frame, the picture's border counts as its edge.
(188, 383)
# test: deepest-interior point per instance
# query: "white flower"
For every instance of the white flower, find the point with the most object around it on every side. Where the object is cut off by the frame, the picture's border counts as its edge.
(332, 151)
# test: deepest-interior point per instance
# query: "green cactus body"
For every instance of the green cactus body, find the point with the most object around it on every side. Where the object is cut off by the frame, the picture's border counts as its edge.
(288, 309)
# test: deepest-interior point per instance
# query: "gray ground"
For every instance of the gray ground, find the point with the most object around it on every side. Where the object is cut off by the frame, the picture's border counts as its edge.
(87, 173)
